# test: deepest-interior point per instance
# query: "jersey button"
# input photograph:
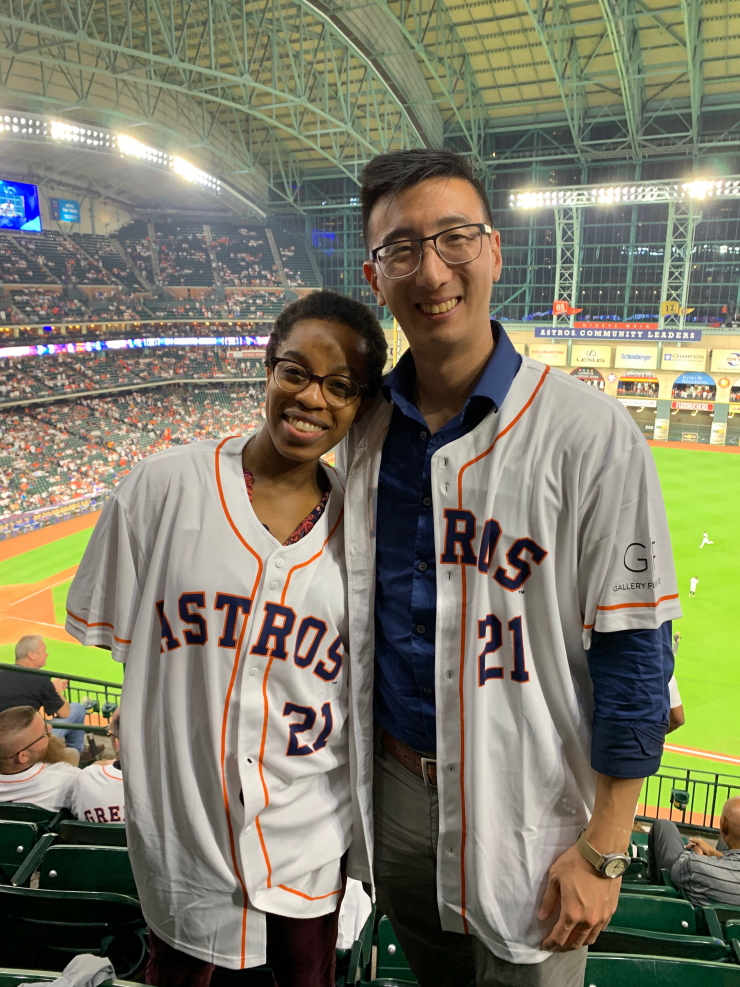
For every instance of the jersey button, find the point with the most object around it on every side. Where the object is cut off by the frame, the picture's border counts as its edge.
(427, 502)
(252, 672)
(278, 563)
(274, 584)
(420, 628)
(422, 435)
(427, 690)
(423, 567)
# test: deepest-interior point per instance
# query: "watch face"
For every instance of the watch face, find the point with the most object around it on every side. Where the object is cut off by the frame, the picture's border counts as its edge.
(615, 867)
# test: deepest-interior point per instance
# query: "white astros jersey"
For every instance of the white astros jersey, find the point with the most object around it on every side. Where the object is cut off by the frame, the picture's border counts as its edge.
(549, 522)
(99, 795)
(50, 786)
(234, 733)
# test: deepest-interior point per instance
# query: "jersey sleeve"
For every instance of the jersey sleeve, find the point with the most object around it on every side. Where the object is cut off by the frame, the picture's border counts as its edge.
(626, 578)
(104, 597)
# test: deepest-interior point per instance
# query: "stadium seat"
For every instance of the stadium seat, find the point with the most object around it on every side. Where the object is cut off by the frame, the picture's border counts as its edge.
(636, 873)
(655, 890)
(391, 960)
(26, 812)
(608, 970)
(17, 839)
(47, 928)
(661, 927)
(87, 868)
(92, 834)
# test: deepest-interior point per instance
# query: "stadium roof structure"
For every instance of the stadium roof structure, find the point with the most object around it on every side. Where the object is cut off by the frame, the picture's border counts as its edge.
(265, 94)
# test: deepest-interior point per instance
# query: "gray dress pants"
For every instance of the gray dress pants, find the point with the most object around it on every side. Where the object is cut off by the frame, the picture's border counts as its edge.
(406, 834)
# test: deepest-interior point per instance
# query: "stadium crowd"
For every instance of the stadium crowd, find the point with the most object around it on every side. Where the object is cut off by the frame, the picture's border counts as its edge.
(694, 392)
(52, 453)
(25, 378)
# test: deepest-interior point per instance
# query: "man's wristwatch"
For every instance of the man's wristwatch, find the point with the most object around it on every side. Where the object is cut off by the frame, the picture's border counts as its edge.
(609, 865)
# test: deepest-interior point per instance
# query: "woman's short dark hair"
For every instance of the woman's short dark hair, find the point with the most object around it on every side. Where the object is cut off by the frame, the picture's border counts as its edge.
(332, 307)
(389, 174)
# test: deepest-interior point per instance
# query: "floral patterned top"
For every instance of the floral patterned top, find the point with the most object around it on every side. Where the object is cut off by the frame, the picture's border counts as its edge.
(306, 524)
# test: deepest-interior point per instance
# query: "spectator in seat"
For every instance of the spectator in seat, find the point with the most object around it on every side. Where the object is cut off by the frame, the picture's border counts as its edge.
(25, 774)
(99, 795)
(706, 875)
(37, 691)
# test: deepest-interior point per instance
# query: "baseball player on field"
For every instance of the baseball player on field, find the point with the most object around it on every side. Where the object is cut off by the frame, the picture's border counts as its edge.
(217, 573)
(509, 526)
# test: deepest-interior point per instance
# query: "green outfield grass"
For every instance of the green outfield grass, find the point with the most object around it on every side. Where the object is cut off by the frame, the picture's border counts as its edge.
(40, 563)
(700, 490)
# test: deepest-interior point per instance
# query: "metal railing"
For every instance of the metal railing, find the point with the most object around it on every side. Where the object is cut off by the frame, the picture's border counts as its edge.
(98, 696)
(699, 808)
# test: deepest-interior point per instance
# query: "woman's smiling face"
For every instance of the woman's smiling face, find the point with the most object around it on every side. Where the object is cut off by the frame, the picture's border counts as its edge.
(304, 426)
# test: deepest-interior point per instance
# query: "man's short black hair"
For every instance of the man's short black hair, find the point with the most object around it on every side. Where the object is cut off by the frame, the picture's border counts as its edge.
(333, 307)
(389, 174)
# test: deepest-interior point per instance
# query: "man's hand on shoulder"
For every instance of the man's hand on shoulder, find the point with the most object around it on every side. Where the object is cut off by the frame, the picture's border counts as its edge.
(60, 685)
(587, 902)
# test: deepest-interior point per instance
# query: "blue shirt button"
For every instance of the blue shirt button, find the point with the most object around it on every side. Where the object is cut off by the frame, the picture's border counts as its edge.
(427, 502)
(427, 690)
(422, 435)
(423, 567)
(420, 628)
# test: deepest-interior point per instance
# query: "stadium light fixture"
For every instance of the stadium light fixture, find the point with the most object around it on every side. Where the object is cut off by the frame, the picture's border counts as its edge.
(72, 134)
(582, 195)
(132, 148)
(190, 173)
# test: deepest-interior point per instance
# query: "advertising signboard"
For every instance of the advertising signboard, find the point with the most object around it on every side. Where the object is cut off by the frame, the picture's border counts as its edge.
(644, 357)
(675, 358)
(590, 355)
(725, 360)
(65, 210)
(554, 354)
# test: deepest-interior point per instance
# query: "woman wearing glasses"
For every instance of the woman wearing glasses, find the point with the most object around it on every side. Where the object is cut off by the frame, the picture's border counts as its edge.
(217, 572)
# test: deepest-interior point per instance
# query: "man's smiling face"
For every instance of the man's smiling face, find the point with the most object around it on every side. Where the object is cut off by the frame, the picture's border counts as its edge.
(460, 294)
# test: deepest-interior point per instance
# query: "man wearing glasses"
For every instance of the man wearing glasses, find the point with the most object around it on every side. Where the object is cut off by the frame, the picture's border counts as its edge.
(24, 775)
(508, 524)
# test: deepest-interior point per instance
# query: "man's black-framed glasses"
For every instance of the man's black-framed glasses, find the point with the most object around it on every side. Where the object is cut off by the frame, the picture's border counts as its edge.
(458, 245)
(338, 390)
(47, 731)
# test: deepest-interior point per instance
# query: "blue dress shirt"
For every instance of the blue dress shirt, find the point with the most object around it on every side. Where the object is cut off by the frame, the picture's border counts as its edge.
(627, 737)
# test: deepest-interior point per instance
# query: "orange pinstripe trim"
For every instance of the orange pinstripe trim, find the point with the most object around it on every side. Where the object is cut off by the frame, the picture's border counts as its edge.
(588, 627)
(228, 700)
(308, 896)
(472, 462)
(624, 606)
(329, 466)
(100, 623)
(266, 707)
(112, 777)
(20, 780)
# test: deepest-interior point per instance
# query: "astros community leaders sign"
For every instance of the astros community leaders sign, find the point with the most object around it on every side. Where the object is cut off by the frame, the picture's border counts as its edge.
(616, 330)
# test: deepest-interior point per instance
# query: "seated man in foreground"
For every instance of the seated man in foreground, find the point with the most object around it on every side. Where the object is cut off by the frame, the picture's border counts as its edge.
(707, 875)
(25, 774)
(99, 795)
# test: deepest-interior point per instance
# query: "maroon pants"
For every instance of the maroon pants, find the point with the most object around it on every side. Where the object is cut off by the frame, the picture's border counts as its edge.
(300, 953)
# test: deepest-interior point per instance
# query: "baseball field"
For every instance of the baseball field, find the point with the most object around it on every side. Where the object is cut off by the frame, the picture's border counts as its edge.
(700, 487)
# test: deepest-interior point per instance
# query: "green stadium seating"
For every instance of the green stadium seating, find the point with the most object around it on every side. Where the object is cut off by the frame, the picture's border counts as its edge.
(92, 834)
(651, 914)
(46, 820)
(87, 868)
(655, 890)
(636, 873)
(391, 960)
(17, 839)
(607, 970)
(47, 928)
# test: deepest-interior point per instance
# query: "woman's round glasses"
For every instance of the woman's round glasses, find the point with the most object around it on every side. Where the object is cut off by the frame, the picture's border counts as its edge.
(459, 245)
(338, 390)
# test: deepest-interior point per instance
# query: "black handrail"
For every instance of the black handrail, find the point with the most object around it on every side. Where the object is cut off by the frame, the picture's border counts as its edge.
(61, 675)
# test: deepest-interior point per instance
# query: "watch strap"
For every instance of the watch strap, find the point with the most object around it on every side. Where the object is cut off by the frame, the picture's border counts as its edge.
(588, 852)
